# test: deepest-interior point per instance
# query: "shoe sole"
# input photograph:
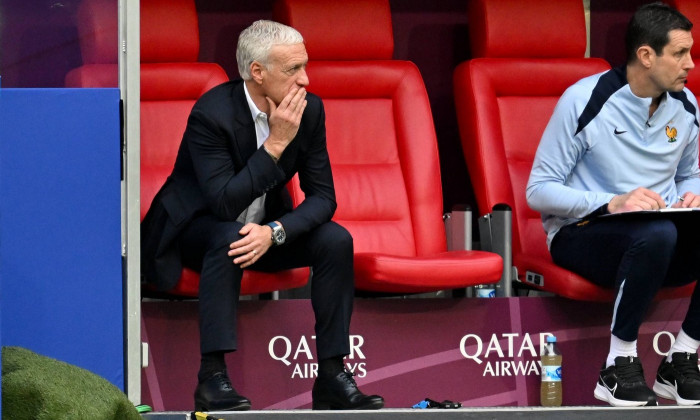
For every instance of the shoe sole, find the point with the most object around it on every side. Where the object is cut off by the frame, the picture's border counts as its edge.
(375, 405)
(670, 393)
(241, 407)
(603, 394)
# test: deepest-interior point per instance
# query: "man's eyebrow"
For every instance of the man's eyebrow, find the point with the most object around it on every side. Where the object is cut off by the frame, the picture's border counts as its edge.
(295, 66)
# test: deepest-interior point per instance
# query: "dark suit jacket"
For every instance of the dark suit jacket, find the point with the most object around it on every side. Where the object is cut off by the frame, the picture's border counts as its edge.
(220, 170)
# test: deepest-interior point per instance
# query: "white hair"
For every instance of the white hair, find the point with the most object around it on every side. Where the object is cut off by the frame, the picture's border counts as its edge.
(255, 42)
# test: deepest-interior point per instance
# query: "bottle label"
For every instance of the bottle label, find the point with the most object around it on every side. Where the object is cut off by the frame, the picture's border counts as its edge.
(485, 293)
(551, 373)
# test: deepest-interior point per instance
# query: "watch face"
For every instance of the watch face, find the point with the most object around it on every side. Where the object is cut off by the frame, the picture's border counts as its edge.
(279, 235)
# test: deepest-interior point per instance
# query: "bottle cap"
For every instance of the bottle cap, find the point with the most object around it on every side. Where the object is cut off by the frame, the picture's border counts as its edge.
(551, 339)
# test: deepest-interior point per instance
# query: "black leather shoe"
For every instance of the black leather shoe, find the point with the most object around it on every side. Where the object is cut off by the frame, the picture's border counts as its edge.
(217, 394)
(340, 393)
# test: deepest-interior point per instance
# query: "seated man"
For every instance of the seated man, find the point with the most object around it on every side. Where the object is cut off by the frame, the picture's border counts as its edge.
(225, 208)
(623, 141)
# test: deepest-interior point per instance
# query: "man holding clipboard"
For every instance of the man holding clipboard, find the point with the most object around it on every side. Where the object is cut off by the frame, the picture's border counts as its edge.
(624, 142)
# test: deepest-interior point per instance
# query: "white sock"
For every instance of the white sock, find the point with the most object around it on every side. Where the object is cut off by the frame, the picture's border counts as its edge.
(683, 344)
(620, 348)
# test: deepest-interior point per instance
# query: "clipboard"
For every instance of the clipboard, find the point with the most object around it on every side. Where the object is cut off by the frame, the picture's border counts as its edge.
(666, 212)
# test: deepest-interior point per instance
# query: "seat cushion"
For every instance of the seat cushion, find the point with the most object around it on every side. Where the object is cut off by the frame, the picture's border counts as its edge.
(560, 281)
(253, 282)
(563, 282)
(446, 270)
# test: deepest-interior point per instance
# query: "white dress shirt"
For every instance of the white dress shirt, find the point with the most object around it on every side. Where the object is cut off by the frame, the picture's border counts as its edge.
(255, 213)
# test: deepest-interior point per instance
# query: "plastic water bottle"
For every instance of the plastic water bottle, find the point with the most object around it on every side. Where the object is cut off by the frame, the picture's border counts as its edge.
(550, 389)
(485, 291)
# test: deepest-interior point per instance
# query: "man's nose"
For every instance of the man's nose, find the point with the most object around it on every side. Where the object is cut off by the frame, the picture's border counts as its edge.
(689, 64)
(303, 79)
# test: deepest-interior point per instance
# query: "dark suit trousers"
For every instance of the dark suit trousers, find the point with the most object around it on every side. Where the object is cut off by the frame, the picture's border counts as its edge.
(327, 249)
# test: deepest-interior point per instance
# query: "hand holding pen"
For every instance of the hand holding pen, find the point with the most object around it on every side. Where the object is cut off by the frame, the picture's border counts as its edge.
(687, 200)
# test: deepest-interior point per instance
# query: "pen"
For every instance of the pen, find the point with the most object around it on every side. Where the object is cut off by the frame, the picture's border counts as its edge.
(681, 198)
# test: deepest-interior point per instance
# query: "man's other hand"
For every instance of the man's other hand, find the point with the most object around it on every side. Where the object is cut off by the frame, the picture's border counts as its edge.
(688, 200)
(256, 241)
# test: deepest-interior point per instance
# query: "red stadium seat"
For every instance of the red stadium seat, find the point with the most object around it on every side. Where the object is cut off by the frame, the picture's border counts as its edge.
(171, 81)
(691, 10)
(504, 98)
(383, 150)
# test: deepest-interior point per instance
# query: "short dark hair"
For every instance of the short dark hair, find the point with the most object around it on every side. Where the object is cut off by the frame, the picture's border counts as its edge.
(650, 26)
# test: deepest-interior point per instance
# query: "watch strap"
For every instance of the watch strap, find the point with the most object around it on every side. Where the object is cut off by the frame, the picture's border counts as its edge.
(278, 233)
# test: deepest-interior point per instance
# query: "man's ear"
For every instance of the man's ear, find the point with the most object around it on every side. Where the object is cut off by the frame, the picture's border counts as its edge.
(256, 72)
(646, 55)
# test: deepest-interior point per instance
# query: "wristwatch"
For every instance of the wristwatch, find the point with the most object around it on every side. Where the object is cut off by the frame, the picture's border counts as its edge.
(278, 234)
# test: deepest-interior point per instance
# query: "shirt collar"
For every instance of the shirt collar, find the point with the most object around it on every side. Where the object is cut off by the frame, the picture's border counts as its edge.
(254, 111)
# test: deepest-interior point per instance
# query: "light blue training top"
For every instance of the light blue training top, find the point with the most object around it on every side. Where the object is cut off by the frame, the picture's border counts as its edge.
(600, 142)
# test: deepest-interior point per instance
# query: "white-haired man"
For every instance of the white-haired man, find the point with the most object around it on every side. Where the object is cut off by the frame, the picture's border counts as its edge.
(225, 208)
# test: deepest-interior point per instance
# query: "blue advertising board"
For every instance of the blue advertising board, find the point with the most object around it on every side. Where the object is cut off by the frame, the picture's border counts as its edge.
(60, 226)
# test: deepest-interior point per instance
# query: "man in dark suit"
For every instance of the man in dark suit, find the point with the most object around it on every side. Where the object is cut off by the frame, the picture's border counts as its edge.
(225, 208)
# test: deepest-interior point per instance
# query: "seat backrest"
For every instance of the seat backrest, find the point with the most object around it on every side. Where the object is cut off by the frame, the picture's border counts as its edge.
(171, 78)
(169, 34)
(168, 92)
(98, 32)
(380, 134)
(505, 96)
(171, 81)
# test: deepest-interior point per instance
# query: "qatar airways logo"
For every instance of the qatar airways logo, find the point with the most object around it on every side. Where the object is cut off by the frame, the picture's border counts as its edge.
(506, 354)
(298, 356)
(511, 354)
(659, 337)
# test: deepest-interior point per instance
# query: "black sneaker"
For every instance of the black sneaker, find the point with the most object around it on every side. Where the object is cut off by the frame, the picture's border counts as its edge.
(623, 385)
(680, 379)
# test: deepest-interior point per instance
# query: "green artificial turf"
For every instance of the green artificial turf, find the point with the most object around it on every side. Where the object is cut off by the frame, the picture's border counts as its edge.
(36, 387)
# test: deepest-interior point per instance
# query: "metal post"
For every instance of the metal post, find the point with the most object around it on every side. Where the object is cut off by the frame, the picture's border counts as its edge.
(485, 234)
(129, 86)
(460, 228)
(447, 221)
(502, 242)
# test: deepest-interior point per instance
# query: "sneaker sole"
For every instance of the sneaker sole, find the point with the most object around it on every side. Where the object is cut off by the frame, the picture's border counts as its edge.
(603, 394)
(670, 393)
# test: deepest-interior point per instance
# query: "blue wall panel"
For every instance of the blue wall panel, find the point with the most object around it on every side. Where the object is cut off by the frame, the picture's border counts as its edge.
(60, 246)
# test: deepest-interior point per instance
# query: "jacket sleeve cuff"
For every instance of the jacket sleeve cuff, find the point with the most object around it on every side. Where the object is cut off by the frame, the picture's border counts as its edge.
(600, 211)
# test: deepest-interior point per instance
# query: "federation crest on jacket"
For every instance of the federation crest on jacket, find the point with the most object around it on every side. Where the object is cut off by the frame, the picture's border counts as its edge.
(671, 133)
